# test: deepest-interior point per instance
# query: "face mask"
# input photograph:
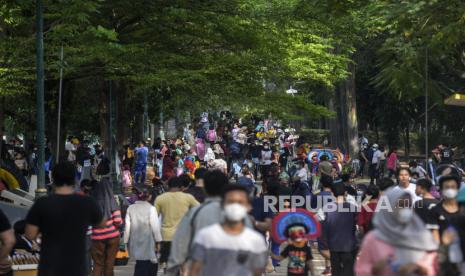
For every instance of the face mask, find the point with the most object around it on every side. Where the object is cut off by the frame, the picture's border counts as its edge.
(235, 212)
(449, 193)
(266, 148)
(404, 215)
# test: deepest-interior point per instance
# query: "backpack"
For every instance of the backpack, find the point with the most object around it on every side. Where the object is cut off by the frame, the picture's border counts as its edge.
(211, 135)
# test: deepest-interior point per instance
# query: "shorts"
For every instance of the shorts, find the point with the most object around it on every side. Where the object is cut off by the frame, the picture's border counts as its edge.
(165, 251)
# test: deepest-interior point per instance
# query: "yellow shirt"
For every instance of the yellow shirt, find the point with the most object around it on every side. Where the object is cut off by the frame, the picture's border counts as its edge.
(173, 206)
(261, 135)
(271, 133)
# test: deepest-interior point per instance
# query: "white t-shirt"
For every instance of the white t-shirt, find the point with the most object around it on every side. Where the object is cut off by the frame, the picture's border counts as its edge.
(411, 190)
(421, 172)
(225, 254)
(302, 174)
(266, 157)
(376, 157)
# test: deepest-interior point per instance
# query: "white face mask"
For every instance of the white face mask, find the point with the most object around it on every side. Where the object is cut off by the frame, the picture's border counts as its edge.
(450, 193)
(235, 212)
(404, 215)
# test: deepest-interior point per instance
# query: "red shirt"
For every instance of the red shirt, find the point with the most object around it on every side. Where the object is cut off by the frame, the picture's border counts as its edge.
(365, 216)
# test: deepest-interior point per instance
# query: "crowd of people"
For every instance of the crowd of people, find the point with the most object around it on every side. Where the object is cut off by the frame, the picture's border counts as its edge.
(203, 211)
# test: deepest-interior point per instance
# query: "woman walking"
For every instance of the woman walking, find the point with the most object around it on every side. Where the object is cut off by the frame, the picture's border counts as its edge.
(105, 240)
(400, 244)
(392, 162)
(142, 233)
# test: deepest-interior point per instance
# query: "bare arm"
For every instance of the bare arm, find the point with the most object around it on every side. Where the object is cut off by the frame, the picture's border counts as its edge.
(263, 226)
(277, 257)
(435, 233)
(196, 267)
(8, 241)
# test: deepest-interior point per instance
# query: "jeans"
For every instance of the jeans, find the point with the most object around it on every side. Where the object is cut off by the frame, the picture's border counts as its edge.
(139, 172)
(342, 263)
(362, 167)
(145, 268)
(104, 255)
(374, 173)
(391, 173)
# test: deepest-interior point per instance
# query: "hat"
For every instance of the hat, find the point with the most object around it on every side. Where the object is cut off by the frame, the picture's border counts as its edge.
(375, 145)
(285, 220)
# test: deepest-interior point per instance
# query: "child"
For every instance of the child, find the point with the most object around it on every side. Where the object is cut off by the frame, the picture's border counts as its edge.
(127, 178)
(298, 252)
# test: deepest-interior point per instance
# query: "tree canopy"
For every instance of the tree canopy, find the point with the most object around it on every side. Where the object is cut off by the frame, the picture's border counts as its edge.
(241, 55)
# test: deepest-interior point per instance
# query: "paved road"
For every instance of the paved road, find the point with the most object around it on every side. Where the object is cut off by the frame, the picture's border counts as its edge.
(318, 262)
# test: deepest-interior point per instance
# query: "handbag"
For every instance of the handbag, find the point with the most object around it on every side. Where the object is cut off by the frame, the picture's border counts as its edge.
(122, 256)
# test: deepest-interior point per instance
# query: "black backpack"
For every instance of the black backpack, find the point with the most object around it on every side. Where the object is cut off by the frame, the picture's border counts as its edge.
(103, 167)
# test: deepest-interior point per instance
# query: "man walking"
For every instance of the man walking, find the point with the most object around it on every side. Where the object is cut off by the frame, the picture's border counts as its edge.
(230, 248)
(375, 164)
(172, 206)
(206, 214)
(63, 219)
(142, 232)
(140, 168)
(339, 232)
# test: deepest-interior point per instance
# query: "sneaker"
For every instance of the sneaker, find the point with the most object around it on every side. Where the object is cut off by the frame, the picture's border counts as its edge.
(327, 271)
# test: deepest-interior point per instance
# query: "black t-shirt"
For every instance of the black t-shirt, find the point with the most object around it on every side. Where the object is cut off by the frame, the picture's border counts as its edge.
(4, 225)
(423, 208)
(63, 221)
(4, 222)
(441, 218)
(447, 155)
(298, 257)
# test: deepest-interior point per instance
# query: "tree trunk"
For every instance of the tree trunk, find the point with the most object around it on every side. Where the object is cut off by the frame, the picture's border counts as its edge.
(122, 120)
(407, 141)
(103, 116)
(351, 113)
(2, 122)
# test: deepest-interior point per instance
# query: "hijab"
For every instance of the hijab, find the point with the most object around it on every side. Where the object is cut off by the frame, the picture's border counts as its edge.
(410, 240)
(102, 192)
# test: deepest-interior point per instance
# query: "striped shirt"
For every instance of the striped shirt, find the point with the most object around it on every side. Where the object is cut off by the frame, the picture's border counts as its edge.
(110, 230)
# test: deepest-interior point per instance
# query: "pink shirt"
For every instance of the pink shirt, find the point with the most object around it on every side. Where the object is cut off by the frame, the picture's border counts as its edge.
(374, 250)
(391, 162)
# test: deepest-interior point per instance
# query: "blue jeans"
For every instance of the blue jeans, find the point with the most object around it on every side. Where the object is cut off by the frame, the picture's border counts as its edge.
(145, 268)
(139, 172)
